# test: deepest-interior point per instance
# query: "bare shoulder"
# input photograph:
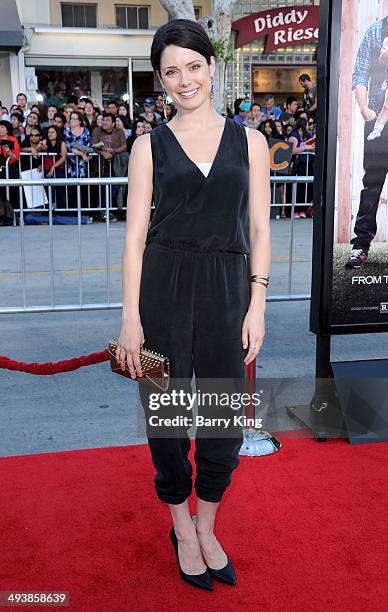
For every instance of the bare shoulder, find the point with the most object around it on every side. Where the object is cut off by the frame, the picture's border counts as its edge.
(256, 138)
(142, 147)
(257, 146)
(140, 158)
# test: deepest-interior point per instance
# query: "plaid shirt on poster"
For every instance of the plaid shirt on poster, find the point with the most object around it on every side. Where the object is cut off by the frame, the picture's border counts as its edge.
(368, 70)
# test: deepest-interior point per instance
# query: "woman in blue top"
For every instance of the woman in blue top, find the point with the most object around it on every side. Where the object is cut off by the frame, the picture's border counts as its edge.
(77, 161)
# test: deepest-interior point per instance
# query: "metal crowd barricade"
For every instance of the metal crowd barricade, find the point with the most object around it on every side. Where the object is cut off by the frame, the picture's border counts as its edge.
(94, 170)
(106, 183)
(7, 178)
(283, 191)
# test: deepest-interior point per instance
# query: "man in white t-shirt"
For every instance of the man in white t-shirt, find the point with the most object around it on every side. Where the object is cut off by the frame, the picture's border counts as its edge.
(21, 101)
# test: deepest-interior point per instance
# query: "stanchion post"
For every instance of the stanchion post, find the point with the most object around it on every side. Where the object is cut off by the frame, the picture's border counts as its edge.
(256, 442)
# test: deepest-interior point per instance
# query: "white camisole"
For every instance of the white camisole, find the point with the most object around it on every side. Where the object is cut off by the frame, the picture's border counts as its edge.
(206, 166)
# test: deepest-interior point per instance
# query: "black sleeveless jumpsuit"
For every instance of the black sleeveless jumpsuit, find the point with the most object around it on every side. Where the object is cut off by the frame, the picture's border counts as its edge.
(194, 296)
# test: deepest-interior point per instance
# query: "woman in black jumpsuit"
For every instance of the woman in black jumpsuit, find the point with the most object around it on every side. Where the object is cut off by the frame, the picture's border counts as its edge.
(193, 298)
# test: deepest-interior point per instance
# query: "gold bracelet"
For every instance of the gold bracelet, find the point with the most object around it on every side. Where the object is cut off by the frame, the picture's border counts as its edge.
(261, 282)
(255, 276)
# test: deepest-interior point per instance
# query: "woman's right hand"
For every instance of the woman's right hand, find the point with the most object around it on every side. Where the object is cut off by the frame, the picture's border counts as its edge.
(128, 347)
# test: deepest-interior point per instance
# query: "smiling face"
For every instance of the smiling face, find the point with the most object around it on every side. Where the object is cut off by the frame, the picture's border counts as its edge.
(107, 123)
(140, 129)
(186, 76)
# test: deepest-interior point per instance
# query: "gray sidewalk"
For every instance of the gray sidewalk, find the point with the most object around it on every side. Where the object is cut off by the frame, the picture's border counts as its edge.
(93, 257)
(91, 407)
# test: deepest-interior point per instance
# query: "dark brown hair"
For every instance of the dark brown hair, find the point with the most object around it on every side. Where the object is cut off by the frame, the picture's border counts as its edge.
(182, 33)
(80, 117)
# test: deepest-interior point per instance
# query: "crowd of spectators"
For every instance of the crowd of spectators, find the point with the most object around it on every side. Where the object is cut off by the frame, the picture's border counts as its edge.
(295, 123)
(85, 139)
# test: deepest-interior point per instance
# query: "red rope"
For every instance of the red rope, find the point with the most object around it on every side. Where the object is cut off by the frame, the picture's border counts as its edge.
(54, 367)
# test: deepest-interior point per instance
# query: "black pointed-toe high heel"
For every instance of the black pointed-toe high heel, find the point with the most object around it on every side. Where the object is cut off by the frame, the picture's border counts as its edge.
(203, 581)
(226, 574)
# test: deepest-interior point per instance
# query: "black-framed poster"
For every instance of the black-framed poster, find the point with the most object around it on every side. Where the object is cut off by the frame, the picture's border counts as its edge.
(350, 259)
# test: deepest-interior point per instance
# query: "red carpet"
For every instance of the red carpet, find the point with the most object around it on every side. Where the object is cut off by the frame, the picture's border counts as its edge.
(306, 529)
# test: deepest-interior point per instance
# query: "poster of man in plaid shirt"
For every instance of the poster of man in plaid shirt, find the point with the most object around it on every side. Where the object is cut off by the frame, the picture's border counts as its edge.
(370, 86)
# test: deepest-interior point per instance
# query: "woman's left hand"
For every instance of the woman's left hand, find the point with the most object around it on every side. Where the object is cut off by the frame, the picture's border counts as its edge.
(253, 331)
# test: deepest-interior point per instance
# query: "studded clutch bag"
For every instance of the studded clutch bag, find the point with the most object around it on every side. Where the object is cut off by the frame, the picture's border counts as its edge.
(155, 367)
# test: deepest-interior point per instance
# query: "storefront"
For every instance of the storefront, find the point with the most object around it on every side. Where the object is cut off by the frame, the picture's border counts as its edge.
(98, 63)
(273, 45)
(96, 78)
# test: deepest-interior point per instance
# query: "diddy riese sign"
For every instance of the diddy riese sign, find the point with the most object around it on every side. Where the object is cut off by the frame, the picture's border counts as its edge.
(282, 27)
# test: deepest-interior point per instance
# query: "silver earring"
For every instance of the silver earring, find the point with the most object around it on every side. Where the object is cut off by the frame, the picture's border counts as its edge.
(212, 90)
(165, 103)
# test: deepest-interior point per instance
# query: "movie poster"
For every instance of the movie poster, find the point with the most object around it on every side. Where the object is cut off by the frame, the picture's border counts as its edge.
(360, 243)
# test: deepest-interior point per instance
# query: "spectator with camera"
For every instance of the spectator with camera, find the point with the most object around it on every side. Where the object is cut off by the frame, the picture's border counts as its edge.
(269, 109)
(288, 116)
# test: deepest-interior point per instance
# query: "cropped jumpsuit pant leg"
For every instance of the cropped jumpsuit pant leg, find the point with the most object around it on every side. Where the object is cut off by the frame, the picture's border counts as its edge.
(192, 308)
